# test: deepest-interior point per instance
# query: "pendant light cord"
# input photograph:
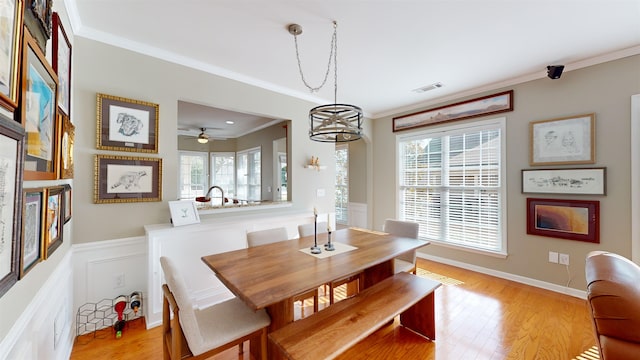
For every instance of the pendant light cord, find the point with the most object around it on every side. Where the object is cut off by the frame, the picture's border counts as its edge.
(333, 54)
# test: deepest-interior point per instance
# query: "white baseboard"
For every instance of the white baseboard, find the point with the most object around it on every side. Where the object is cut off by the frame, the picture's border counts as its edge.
(503, 275)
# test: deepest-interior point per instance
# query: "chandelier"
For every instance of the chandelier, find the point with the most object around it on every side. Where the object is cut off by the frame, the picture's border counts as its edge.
(332, 122)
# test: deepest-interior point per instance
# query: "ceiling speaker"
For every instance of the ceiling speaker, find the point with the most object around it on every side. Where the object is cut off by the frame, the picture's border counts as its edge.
(554, 71)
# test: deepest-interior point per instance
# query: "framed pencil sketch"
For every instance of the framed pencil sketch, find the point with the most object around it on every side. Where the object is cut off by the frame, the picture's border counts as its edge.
(53, 219)
(183, 212)
(565, 219)
(66, 147)
(62, 64)
(127, 179)
(38, 104)
(32, 229)
(11, 159)
(11, 12)
(580, 181)
(127, 125)
(563, 141)
(482, 106)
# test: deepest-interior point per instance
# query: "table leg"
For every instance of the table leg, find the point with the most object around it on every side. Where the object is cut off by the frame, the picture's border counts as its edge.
(421, 317)
(281, 314)
(377, 273)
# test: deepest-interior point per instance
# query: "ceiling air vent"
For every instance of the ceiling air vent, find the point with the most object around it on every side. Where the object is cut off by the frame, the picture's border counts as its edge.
(428, 87)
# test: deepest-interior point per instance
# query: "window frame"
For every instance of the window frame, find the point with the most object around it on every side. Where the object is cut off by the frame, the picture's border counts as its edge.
(345, 220)
(206, 175)
(457, 129)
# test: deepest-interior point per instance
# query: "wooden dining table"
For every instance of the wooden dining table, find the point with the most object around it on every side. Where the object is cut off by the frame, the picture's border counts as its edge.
(269, 276)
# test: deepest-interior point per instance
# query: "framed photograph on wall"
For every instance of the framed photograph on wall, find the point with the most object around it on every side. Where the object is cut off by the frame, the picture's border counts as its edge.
(565, 219)
(581, 181)
(66, 147)
(11, 157)
(11, 11)
(32, 229)
(62, 64)
(563, 141)
(127, 125)
(53, 219)
(483, 106)
(183, 212)
(67, 202)
(127, 179)
(38, 104)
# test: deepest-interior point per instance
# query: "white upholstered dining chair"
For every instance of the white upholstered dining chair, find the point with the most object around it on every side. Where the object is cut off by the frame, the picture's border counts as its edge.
(308, 230)
(409, 229)
(268, 236)
(201, 333)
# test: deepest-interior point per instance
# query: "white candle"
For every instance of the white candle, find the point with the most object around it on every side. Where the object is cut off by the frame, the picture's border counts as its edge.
(315, 211)
(328, 223)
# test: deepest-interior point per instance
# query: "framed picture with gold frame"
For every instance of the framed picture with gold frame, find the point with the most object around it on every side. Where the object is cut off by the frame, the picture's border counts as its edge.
(10, 53)
(32, 229)
(38, 111)
(126, 124)
(121, 179)
(53, 219)
(563, 141)
(66, 147)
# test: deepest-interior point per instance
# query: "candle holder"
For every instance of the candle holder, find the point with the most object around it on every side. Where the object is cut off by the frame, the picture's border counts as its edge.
(329, 245)
(315, 249)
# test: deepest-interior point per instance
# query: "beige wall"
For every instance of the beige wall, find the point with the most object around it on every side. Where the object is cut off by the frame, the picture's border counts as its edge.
(603, 89)
(358, 171)
(100, 68)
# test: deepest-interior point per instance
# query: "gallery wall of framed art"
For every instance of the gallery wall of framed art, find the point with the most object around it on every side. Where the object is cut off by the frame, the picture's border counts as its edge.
(36, 137)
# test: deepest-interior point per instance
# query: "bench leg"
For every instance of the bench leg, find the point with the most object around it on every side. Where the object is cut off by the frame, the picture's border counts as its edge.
(421, 317)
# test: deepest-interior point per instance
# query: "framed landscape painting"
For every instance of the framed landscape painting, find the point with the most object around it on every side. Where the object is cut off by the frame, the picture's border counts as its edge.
(126, 124)
(565, 219)
(62, 64)
(482, 106)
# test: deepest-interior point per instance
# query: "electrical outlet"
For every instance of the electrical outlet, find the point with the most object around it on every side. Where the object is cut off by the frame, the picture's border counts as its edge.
(118, 281)
(564, 259)
(553, 257)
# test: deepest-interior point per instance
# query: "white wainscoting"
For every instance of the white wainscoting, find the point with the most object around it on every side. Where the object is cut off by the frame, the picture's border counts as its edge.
(43, 330)
(187, 244)
(96, 266)
(357, 215)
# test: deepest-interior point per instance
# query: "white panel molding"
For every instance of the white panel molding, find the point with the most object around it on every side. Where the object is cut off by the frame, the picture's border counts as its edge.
(33, 335)
(357, 215)
(507, 276)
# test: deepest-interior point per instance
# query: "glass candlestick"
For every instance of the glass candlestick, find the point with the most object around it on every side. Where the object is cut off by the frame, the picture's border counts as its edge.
(329, 245)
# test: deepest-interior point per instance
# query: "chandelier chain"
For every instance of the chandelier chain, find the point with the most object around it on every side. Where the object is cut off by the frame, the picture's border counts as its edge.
(332, 55)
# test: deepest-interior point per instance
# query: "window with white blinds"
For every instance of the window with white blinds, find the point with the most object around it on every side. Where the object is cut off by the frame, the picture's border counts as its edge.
(342, 183)
(451, 183)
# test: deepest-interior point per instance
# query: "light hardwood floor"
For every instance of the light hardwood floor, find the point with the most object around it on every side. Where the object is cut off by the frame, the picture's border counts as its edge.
(483, 318)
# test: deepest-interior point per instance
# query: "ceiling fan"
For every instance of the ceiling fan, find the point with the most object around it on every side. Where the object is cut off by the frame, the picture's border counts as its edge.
(202, 136)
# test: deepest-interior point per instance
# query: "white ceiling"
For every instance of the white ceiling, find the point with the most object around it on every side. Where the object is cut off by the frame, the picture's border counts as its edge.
(386, 48)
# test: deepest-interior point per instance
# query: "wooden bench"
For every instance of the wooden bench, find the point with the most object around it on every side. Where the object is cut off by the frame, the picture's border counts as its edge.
(330, 332)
